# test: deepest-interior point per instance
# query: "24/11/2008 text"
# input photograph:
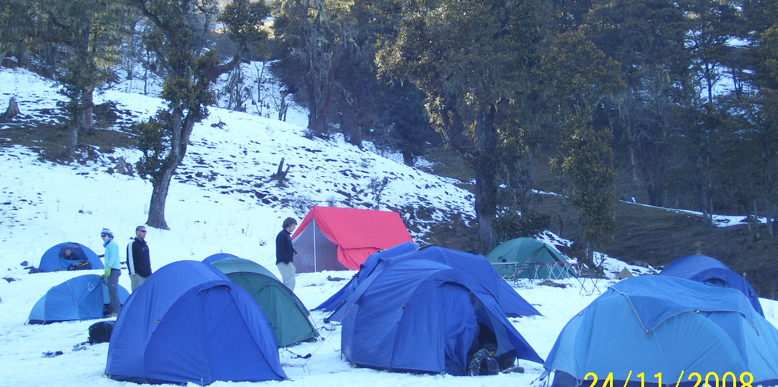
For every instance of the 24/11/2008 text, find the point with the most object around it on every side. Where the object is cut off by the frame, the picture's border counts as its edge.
(710, 379)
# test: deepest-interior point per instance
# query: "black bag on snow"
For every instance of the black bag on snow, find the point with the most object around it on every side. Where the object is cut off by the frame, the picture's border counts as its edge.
(80, 265)
(100, 332)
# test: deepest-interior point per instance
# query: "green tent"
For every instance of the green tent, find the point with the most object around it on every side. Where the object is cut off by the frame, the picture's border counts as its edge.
(532, 259)
(288, 316)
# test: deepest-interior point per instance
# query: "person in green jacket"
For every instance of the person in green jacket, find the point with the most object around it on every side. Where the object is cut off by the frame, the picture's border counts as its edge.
(112, 270)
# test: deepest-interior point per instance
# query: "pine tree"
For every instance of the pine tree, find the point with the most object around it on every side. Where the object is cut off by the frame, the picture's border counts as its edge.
(471, 59)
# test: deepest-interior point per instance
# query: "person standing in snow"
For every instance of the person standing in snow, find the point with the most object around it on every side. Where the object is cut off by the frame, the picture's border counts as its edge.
(285, 253)
(138, 258)
(112, 270)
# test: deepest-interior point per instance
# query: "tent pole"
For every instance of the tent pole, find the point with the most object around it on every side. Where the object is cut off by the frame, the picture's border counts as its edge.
(315, 258)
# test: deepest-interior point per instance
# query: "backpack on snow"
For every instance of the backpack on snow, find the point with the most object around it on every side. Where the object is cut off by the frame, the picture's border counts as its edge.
(100, 332)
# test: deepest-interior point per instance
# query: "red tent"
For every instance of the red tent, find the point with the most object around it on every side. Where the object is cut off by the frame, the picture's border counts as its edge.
(333, 238)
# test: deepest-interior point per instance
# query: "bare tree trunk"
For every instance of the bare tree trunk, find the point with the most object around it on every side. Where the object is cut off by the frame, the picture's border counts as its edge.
(283, 108)
(159, 197)
(485, 178)
(182, 129)
(87, 121)
(408, 158)
(73, 143)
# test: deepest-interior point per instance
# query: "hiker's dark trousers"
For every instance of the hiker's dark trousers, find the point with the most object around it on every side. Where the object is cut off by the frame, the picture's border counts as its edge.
(113, 290)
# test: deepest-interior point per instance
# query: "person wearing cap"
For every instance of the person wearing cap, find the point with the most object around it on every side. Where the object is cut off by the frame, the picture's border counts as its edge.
(138, 259)
(112, 270)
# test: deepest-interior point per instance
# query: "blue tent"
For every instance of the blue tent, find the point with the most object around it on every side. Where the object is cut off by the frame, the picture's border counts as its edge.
(215, 257)
(424, 315)
(702, 268)
(337, 299)
(654, 324)
(54, 258)
(509, 300)
(189, 323)
(80, 298)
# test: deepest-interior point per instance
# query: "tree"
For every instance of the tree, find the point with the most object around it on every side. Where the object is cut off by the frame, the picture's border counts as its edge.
(409, 124)
(647, 39)
(469, 58)
(307, 28)
(588, 163)
(86, 34)
(585, 79)
(17, 25)
(177, 41)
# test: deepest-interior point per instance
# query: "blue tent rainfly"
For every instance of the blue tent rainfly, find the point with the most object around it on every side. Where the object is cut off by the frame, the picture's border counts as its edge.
(160, 335)
(665, 325)
(703, 268)
(77, 299)
(54, 259)
(423, 311)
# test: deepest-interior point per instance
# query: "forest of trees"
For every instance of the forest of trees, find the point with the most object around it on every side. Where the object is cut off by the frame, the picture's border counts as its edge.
(672, 102)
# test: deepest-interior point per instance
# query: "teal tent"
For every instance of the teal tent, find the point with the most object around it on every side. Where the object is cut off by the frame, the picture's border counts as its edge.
(539, 259)
(287, 315)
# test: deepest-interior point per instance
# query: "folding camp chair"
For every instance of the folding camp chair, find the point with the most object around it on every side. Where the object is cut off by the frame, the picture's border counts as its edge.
(591, 279)
(553, 270)
(558, 270)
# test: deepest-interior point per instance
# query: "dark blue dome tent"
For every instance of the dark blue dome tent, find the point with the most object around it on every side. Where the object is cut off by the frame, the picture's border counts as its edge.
(189, 323)
(702, 268)
(337, 299)
(54, 259)
(77, 299)
(425, 314)
(509, 300)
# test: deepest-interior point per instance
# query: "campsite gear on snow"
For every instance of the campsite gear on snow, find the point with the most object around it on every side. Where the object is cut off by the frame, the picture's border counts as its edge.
(100, 332)
(589, 282)
(538, 260)
(703, 268)
(158, 338)
(54, 258)
(509, 300)
(624, 274)
(287, 315)
(421, 312)
(333, 238)
(666, 325)
(80, 265)
(79, 298)
(298, 356)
